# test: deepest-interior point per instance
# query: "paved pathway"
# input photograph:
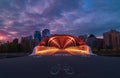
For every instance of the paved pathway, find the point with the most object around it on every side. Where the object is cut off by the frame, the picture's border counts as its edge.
(60, 67)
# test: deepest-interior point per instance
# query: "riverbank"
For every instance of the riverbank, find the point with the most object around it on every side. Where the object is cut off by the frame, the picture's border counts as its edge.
(107, 53)
(12, 55)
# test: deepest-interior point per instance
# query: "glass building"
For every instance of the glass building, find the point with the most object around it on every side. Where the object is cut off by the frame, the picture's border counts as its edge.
(45, 33)
(37, 36)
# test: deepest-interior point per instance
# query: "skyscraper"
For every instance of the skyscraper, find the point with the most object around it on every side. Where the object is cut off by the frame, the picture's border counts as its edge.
(15, 41)
(28, 43)
(45, 33)
(83, 37)
(112, 38)
(37, 36)
(92, 41)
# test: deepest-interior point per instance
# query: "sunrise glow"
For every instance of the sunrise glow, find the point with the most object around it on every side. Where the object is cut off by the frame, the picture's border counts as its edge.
(2, 38)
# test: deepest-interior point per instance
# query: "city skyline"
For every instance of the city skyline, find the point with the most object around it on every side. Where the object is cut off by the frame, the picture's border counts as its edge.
(35, 34)
(23, 17)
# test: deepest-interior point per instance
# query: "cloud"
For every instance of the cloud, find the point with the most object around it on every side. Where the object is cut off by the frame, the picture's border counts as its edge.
(22, 17)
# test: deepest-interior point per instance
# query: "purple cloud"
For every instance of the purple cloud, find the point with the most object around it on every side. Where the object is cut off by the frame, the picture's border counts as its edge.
(22, 17)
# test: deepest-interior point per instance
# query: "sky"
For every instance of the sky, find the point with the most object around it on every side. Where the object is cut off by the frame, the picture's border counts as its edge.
(22, 17)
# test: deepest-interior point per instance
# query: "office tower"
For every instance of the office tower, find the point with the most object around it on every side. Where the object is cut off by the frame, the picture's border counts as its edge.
(37, 36)
(92, 41)
(15, 41)
(45, 33)
(112, 39)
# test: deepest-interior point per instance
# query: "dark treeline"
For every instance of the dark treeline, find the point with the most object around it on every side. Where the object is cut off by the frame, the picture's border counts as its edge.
(11, 47)
(106, 51)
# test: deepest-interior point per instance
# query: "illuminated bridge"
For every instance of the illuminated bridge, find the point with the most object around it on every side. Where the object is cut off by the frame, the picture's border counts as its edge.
(62, 45)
